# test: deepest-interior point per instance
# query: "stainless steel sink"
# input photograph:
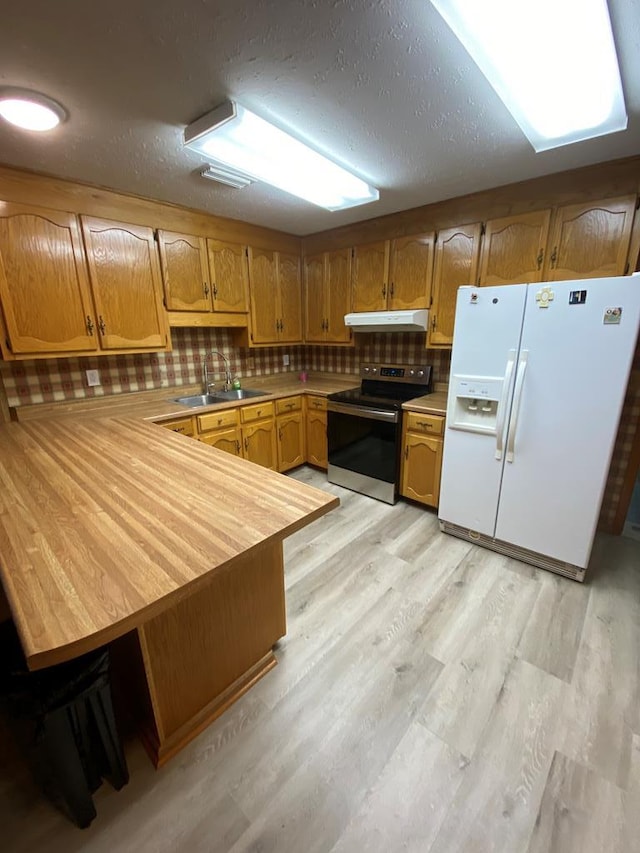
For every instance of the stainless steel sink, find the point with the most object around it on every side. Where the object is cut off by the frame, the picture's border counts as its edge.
(218, 397)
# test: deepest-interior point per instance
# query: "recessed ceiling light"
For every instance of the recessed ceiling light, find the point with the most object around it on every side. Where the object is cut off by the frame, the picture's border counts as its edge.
(242, 141)
(30, 110)
(552, 62)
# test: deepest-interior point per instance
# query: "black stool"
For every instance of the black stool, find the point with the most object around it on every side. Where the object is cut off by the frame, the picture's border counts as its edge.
(71, 735)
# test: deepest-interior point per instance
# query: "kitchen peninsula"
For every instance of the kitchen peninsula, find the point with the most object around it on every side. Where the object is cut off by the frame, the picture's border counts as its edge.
(114, 529)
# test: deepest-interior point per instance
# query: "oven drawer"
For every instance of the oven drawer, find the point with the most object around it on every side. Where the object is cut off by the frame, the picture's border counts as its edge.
(427, 424)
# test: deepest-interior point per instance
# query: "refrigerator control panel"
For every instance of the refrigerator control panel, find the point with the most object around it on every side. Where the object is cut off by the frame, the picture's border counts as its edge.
(473, 403)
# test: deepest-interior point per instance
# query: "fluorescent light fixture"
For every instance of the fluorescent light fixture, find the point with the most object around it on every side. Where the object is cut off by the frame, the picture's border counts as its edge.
(226, 176)
(552, 62)
(243, 142)
(30, 110)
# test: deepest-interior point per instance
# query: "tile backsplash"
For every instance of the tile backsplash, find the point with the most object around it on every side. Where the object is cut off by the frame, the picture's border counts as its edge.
(49, 380)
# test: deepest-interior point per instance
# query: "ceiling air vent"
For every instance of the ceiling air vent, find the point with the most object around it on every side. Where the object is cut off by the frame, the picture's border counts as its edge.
(226, 176)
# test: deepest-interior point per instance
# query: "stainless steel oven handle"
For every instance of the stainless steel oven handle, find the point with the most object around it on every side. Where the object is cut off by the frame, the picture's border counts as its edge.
(363, 412)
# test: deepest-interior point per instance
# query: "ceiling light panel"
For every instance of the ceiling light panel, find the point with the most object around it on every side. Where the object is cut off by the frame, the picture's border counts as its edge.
(552, 62)
(30, 110)
(237, 138)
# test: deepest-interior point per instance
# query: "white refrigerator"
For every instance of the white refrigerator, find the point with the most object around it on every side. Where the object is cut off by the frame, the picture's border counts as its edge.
(538, 379)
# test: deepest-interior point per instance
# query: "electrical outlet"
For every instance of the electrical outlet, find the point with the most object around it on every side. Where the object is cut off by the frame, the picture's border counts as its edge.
(285, 360)
(251, 362)
(93, 377)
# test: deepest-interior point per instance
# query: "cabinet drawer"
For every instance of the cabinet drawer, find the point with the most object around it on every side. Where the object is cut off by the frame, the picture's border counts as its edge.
(317, 404)
(288, 405)
(256, 412)
(428, 424)
(184, 425)
(216, 420)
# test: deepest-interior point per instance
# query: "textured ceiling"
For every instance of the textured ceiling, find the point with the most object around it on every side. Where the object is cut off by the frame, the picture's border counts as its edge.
(382, 87)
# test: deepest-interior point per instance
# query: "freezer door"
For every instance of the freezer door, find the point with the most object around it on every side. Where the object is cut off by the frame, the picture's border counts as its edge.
(486, 341)
(572, 374)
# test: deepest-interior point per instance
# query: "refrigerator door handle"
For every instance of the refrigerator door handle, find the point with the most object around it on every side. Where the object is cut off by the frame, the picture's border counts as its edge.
(517, 399)
(502, 405)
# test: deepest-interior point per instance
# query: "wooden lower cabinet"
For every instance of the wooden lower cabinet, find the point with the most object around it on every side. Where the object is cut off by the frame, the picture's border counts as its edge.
(291, 450)
(422, 458)
(259, 443)
(316, 431)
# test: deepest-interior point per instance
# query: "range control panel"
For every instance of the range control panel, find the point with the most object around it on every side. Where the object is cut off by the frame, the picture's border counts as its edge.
(417, 374)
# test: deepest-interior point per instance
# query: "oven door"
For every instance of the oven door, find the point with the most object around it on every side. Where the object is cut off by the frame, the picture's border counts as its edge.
(364, 449)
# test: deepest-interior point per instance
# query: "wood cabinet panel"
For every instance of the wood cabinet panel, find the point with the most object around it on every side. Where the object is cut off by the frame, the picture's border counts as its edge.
(229, 276)
(262, 280)
(410, 270)
(259, 443)
(185, 272)
(314, 282)
(316, 431)
(370, 267)
(421, 468)
(427, 424)
(288, 405)
(182, 425)
(291, 434)
(513, 248)
(125, 279)
(216, 420)
(590, 240)
(290, 299)
(229, 440)
(44, 285)
(457, 253)
(256, 412)
(337, 296)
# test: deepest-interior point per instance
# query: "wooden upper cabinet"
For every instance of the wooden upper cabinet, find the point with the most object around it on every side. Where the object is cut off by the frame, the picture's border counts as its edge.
(125, 279)
(410, 269)
(457, 255)
(289, 298)
(314, 301)
(185, 272)
(262, 288)
(338, 295)
(276, 297)
(590, 240)
(328, 296)
(44, 286)
(229, 276)
(370, 270)
(513, 248)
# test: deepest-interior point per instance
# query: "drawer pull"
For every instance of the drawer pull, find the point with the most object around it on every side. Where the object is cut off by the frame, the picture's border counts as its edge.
(89, 325)
(237, 447)
(178, 429)
(101, 325)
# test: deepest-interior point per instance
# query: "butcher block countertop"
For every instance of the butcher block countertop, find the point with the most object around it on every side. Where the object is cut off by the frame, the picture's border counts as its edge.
(160, 404)
(105, 523)
(430, 404)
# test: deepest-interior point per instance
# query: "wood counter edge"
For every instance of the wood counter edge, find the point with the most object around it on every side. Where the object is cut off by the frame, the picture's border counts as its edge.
(41, 659)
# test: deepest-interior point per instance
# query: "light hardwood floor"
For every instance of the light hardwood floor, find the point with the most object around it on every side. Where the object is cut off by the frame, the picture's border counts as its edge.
(431, 697)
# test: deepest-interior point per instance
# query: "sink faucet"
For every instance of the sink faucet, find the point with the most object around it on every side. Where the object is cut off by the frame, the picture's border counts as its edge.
(207, 384)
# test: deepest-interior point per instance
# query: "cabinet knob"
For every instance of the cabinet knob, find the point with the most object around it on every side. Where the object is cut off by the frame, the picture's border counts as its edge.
(101, 325)
(246, 444)
(554, 256)
(540, 258)
(90, 326)
(205, 288)
(237, 447)
(215, 291)
(391, 290)
(384, 289)
(406, 452)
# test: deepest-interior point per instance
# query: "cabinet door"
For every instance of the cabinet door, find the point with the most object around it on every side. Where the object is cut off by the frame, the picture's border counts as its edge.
(410, 270)
(591, 240)
(456, 263)
(338, 295)
(370, 268)
(185, 272)
(125, 278)
(314, 301)
(290, 441)
(513, 248)
(316, 429)
(228, 440)
(228, 268)
(421, 468)
(263, 292)
(259, 444)
(43, 282)
(290, 292)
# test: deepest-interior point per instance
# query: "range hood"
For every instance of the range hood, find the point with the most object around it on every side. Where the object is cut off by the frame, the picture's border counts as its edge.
(387, 321)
